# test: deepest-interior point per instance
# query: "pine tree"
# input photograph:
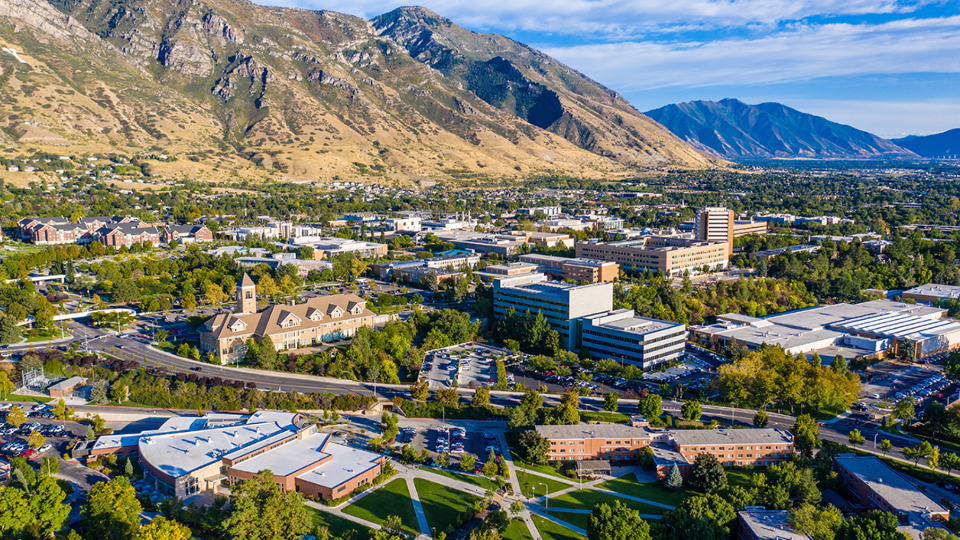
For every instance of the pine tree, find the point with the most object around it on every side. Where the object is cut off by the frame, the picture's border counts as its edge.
(674, 479)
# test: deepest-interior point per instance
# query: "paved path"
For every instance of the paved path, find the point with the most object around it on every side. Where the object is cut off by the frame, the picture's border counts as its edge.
(417, 507)
(558, 521)
(515, 486)
(550, 476)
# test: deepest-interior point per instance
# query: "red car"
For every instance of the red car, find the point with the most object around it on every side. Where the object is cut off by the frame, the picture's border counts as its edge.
(28, 453)
(819, 423)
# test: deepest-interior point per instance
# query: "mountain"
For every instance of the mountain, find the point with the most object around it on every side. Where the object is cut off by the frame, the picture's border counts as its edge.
(946, 144)
(249, 91)
(736, 130)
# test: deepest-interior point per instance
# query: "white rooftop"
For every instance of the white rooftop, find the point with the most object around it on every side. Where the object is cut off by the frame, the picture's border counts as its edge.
(936, 290)
(347, 463)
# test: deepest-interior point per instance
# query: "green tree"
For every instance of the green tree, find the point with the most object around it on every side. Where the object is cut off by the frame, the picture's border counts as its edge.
(47, 507)
(6, 385)
(674, 480)
(534, 447)
(839, 365)
(610, 402)
(761, 419)
(872, 525)
(905, 409)
(886, 445)
(856, 438)
(691, 410)
(467, 462)
(112, 511)
(707, 474)
(261, 512)
(419, 390)
(36, 439)
(481, 397)
(651, 406)
(818, 523)
(162, 528)
(616, 522)
(916, 453)
(806, 435)
(16, 515)
(16, 417)
(702, 517)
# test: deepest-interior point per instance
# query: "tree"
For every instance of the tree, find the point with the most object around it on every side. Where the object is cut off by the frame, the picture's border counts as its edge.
(261, 512)
(707, 474)
(128, 467)
(674, 480)
(818, 523)
(806, 435)
(534, 447)
(112, 511)
(905, 409)
(651, 406)
(162, 528)
(839, 365)
(691, 410)
(6, 385)
(36, 439)
(16, 417)
(99, 391)
(950, 462)
(393, 525)
(9, 331)
(481, 397)
(15, 512)
(856, 438)
(872, 525)
(419, 390)
(761, 419)
(938, 533)
(610, 402)
(886, 445)
(466, 463)
(616, 522)
(933, 460)
(702, 517)
(916, 453)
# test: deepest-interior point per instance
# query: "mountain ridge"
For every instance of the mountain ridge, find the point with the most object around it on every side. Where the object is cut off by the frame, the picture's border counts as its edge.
(733, 129)
(946, 144)
(304, 94)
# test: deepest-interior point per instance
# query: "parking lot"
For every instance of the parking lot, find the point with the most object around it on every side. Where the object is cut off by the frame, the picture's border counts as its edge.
(13, 440)
(464, 365)
(889, 379)
(456, 441)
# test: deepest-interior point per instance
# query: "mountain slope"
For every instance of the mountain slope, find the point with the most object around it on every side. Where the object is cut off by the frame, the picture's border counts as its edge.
(299, 94)
(946, 144)
(531, 85)
(733, 129)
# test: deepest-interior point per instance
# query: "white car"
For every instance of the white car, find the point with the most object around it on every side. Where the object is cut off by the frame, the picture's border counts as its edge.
(44, 448)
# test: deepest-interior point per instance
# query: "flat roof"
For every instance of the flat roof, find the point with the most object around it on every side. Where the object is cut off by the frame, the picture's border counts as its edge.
(773, 334)
(347, 463)
(770, 525)
(888, 484)
(288, 458)
(937, 290)
(899, 325)
(592, 431)
(69, 383)
(689, 437)
(177, 454)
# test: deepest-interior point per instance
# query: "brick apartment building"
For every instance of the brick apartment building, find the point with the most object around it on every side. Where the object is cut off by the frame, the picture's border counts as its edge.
(621, 442)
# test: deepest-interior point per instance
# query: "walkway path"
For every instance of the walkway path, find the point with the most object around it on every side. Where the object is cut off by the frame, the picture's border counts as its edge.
(417, 507)
(338, 511)
(515, 486)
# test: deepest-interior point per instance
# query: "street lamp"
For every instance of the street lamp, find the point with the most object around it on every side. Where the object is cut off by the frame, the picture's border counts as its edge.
(546, 497)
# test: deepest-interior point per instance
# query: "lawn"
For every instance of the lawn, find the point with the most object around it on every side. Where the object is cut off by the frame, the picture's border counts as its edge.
(545, 469)
(31, 399)
(587, 499)
(516, 530)
(479, 481)
(391, 499)
(336, 524)
(551, 531)
(530, 484)
(598, 416)
(443, 505)
(739, 477)
(651, 491)
(575, 519)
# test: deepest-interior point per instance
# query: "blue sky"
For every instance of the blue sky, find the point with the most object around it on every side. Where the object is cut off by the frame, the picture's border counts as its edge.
(891, 67)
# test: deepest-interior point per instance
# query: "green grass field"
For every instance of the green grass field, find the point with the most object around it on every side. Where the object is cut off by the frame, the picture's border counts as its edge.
(545, 469)
(392, 499)
(530, 484)
(577, 520)
(551, 531)
(478, 481)
(516, 530)
(586, 499)
(650, 491)
(336, 524)
(28, 399)
(442, 505)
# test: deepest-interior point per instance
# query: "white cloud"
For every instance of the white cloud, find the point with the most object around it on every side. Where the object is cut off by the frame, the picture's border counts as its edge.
(611, 18)
(801, 52)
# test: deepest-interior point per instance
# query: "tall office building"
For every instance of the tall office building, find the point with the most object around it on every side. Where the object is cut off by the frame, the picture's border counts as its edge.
(563, 305)
(716, 223)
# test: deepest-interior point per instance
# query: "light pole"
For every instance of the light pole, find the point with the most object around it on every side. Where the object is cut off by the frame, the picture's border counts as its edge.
(546, 497)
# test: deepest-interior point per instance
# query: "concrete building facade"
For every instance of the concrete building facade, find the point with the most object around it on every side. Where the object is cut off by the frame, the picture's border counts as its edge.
(620, 335)
(588, 270)
(669, 254)
(715, 224)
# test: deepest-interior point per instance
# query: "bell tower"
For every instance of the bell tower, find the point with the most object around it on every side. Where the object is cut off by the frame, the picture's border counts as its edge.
(246, 295)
